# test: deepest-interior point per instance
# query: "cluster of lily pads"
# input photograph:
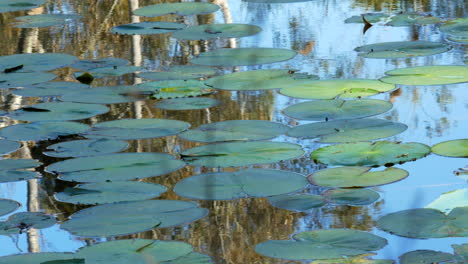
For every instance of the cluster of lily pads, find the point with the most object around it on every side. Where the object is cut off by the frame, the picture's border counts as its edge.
(109, 178)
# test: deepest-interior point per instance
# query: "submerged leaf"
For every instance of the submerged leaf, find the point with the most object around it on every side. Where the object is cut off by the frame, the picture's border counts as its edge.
(43, 20)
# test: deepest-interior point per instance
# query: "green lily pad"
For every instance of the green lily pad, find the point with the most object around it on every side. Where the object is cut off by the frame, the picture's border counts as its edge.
(354, 177)
(334, 89)
(16, 164)
(44, 20)
(108, 94)
(456, 29)
(427, 75)
(212, 31)
(426, 223)
(243, 56)
(65, 261)
(13, 169)
(34, 258)
(49, 89)
(7, 206)
(110, 192)
(187, 103)
(461, 252)
(341, 131)
(297, 202)
(21, 222)
(177, 88)
(355, 197)
(258, 80)
(84, 148)
(234, 154)
(40, 62)
(240, 184)
(235, 130)
(42, 130)
(276, 1)
(108, 220)
(21, 79)
(448, 201)
(425, 257)
(360, 259)
(410, 19)
(452, 148)
(111, 71)
(17, 175)
(337, 109)
(86, 65)
(402, 49)
(147, 28)
(128, 129)
(179, 72)
(370, 153)
(58, 111)
(16, 5)
(7, 146)
(370, 17)
(182, 9)
(140, 251)
(322, 244)
(115, 167)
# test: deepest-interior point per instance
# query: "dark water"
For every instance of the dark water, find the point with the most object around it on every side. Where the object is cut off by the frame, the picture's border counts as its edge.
(315, 29)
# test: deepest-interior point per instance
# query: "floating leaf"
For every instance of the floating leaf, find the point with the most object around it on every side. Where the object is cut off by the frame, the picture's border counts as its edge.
(176, 88)
(341, 131)
(370, 17)
(240, 184)
(243, 56)
(452, 148)
(86, 65)
(370, 153)
(35, 258)
(456, 29)
(426, 223)
(127, 129)
(44, 20)
(212, 31)
(234, 154)
(410, 19)
(49, 89)
(360, 259)
(297, 202)
(42, 130)
(353, 177)
(187, 103)
(275, 1)
(258, 80)
(7, 146)
(402, 49)
(12, 169)
(7, 206)
(108, 220)
(355, 197)
(21, 79)
(108, 94)
(333, 89)
(322, 244)
(111, 71)
(67, 261)
(425, 257)
(15, 5)
(147, 28)
(58, 111)
(450, 200)
(21, 222)
(179, 72)
(83, 148)
(36, 61)
(427, 75)
(110, 192)
(182, 9)
(235, 130)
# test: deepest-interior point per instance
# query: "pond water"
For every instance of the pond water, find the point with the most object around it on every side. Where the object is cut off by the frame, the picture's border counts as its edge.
(325, 46)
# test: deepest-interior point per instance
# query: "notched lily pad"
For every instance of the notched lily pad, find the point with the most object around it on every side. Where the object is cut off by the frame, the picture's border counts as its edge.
(187, 103)
(212, 31)
(179, 72)
(427, 75)
(402, 49)
(18, 5)
(21, 79)
(44, 20)
(147, 28)
(182, 9)
(355, 197)
(7, 206)
(39, 62)
(21, 222)
(243, 56)
(58, 111)
(42, 130)
(8, 146)
(177, 89)
(84, 148)
(370, 17)
(49, 89)
(453, 148)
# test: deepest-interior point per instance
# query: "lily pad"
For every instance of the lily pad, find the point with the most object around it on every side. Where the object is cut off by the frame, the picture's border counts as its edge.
(235, 130)
(108, 94)
(240, 184)
(370, 153)
(86, 65)
(402, 49)
(426, 223)
(452, 148)
(110, 192)
(341, 131)
(65, 261)
(84, 148)
(21, 222)
(410, 19)
(276, 1)
(258, 80)
(7, 146)
(212, 31)
(370, 17)
(44, 20)
(187, 103)
(355, 197)
(179, 72)
(147, 28)
(141, 251)
(58, 111)
(360, 259)
(7, 206)
(108, 220)
(182, 9)
(49, 89)
(297, 202)
(234, 154)
(128, 129)
(456, 29)
(322, 244)
(427, 75)
(42, 130)
(450, 200)
(354, 177)
(177, 88)
(115, 167)
(40, 62)
(35, 258)
(13, 169)
(243, 56)
(111, 71)
(15, 5)
(425, 257)
(337, 109)
(21, 79)
(334, 89)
